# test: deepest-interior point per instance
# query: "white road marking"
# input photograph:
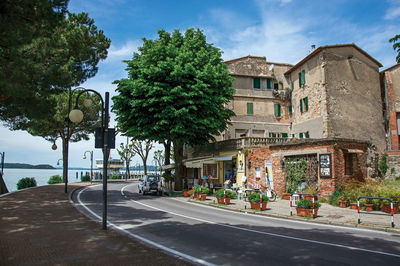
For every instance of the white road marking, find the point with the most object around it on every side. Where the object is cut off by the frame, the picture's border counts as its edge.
(145, 240)
(266, 233)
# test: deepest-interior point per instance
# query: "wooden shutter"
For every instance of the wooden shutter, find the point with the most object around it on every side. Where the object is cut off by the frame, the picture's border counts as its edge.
(301, 105)
(277, 109)
(303, 74)
(256, 83)
(250, 108)
(301, 135)
(307, 135)
(284, 135)
(300, 79)
(290, 109)
(292, 85)
(306, 104)
(268, 84)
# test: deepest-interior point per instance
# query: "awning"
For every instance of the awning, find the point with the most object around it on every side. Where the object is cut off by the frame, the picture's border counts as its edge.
(168, 166)
(225, 158)
(199, 162)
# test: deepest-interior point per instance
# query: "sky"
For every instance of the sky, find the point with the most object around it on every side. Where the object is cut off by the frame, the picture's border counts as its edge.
(281, 30)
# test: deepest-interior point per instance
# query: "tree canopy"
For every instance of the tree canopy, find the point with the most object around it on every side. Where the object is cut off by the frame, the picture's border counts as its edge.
(176, 90)
(396, 46)
(43, 50)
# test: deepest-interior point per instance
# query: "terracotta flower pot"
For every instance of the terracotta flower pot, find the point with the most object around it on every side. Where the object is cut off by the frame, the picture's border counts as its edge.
(343, 204)
(353, 206)
(386, 208)
(225, 201)
(256, 205)
(306, 212)
(286, 196)
(203, 197)
(185, 193)
(369, 207)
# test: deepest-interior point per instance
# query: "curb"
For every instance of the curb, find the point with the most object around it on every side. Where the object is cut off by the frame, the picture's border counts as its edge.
(288, 217)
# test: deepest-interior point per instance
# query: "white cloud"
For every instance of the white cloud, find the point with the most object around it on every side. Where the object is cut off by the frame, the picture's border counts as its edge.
(392, 13)
(123, 52)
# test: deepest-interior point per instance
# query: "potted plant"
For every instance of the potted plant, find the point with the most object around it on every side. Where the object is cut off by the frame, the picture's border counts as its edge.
(201, 192)
(229, 194)
(394, 196)
(305, 208)
(310, 190)
(186, 193)
(254, 199)
(342, 201)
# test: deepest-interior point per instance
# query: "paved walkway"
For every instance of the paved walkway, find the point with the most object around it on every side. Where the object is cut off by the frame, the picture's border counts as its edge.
(327, 214)
(41, 226)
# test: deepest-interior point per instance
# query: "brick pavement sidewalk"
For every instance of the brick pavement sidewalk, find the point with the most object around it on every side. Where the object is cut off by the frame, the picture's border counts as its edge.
(40, 226)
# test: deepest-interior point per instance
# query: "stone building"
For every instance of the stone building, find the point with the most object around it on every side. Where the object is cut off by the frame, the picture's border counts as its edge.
(262, 99)
(336, 94)
(390, 80)
(329, 104)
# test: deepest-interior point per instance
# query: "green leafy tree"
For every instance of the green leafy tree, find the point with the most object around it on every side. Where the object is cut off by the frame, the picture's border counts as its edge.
(54, 126)
(43, 50)
(127, 153)
(396, 46)
(176, 91)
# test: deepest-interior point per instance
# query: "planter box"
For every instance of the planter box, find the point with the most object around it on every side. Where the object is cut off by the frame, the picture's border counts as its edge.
(227, 201)
(343, 204)
(306, 212)
(369, 207)
(353, 206)
(256, 206)
(386, 208)
(286, 196)
(185, 193)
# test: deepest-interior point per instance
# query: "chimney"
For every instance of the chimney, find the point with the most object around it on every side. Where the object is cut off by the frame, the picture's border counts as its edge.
(312, 47)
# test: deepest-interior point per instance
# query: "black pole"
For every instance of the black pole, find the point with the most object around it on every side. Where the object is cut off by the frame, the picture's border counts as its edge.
(91, 167)
(65, 160)
(105, 160)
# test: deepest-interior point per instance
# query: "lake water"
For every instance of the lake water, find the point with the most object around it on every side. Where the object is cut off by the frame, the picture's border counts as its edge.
(13, 175)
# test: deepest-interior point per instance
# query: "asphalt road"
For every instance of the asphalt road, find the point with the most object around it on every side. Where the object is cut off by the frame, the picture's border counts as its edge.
(206, 235)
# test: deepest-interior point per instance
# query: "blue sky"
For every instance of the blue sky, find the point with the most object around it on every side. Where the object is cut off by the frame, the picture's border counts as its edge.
(281, 30)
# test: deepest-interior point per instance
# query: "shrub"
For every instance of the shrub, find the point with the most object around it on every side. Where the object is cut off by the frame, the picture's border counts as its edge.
(336, 196)
(204, 190)
(55, 179)
(85, 178)
(255, 197)
(26, 182)
(114, 177)
(307, 204)
(228, 193)
(382, 164)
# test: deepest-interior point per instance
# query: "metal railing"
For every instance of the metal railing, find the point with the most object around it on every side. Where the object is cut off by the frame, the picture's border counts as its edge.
(375, 213)
(296, 197)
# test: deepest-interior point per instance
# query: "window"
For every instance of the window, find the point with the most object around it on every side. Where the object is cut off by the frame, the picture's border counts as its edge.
(307, 134)
(268, 84)
(292, 85)
(277, 110)
(290, 109)
(210, 170)
(348, 163)
(256, 83)
(284, 135)
(304, 105)
(302, 78)
(250, 109)
(272, 135)
(301, 135)
(276, 86)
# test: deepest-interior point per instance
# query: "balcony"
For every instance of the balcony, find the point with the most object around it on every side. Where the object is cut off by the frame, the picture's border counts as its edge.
(236, 144)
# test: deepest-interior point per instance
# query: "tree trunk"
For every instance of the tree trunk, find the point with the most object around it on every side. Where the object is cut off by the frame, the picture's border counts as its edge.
(144, 167)
(3, 187)
(128, 174)
(167, 159)
(178, 157)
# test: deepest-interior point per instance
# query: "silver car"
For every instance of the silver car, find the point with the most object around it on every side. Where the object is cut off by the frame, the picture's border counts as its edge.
(150, 184)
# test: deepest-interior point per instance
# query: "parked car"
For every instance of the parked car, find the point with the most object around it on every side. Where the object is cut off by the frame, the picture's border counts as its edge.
(150, 184)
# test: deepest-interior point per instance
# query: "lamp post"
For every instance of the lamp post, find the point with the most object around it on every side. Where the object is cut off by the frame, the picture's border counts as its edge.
(58, 162)
(76, 116)
(91, 164)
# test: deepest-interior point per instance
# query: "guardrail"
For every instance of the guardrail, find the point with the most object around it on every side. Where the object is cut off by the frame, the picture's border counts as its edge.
(375, 213)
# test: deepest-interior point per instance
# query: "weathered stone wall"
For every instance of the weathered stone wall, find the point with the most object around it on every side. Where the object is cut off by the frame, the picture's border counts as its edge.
(393, 161)
(395, 74)
(353, 98)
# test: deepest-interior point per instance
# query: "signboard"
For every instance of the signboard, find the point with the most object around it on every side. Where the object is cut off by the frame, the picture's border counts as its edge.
(98, 138)
(325, 165)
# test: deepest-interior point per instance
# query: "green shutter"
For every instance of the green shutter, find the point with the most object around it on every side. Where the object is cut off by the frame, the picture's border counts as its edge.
(277, 110)
(250, 108)
(290, 110)
(303, 73)
(307, 135)
(284, 135)
(300, 79)
(292, 85)
(306, 104)
(301, 135)
(256, 83)
(301, 105)
(268, 84)
(293, 135)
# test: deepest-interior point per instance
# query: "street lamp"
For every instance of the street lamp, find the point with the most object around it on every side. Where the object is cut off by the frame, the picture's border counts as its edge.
(58, 162)
(91, 163)
(76, 116)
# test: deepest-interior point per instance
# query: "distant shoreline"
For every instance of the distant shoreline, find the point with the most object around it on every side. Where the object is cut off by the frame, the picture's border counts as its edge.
(28, 166)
